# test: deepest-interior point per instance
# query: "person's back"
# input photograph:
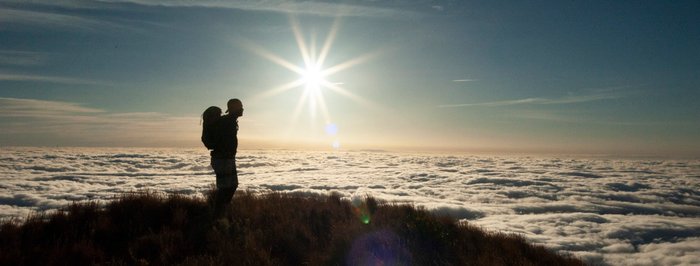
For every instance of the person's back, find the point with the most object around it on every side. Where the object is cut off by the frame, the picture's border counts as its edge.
(227, 137)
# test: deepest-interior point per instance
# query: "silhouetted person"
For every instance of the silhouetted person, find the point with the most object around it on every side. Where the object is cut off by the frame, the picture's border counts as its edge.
(223, 154)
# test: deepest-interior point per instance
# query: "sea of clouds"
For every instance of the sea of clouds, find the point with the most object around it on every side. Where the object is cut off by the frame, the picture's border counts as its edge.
(606, 211)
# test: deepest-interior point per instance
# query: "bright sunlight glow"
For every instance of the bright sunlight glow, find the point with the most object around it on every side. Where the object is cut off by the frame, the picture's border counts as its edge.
(313, 77)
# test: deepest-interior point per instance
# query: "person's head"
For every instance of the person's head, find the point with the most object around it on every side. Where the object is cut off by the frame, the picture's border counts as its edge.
(211, 114)
(235, 107)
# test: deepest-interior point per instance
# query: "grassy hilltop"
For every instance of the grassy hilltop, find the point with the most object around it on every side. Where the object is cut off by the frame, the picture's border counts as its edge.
(272, 229)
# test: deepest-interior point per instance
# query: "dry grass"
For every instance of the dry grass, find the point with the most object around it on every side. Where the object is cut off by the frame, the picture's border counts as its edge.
(271, 229)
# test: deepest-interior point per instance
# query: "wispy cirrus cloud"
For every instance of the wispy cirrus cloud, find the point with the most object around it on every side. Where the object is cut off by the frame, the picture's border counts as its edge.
(438, 7)
(286, 6)
(34, 12)
(69, 123)
(17, 107)
(22, 58)
(63, 17)
(48, 79)
(542, 101)
(464, 80)
(52, 20)
(591, 118)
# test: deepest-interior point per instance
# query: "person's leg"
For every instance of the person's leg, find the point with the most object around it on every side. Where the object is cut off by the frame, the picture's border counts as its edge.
(219, 166)
(222, 200)
(226, 183)
(233, 176)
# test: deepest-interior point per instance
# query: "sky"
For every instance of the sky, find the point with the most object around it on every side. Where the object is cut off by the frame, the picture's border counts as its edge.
(601, 77)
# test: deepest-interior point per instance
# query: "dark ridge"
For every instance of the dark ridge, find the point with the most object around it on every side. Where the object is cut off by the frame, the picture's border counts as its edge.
(271, 229)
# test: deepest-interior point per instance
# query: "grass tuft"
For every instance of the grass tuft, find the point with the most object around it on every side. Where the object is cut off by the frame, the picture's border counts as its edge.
(272, 229)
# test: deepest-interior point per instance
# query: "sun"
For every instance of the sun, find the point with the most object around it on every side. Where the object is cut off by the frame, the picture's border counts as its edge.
(313, 76)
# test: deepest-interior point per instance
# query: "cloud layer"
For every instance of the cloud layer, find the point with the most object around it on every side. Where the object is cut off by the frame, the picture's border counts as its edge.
(606, 211)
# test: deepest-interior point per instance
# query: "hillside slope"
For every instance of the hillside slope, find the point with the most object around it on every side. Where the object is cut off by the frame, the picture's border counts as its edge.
(272, 229)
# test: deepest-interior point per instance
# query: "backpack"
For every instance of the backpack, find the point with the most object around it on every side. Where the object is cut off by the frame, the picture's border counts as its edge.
(210, 116)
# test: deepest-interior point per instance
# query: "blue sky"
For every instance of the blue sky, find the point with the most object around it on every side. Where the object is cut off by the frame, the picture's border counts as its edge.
(613, 77)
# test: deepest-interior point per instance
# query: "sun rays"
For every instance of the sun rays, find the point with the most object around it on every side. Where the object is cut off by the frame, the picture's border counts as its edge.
(313, 75)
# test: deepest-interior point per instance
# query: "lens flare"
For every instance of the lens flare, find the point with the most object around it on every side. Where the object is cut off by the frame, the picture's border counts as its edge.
(359, 208)
(331, 129)
(336, 144)
(382, 247)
